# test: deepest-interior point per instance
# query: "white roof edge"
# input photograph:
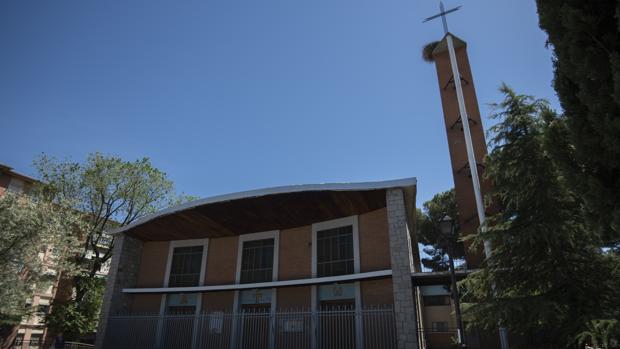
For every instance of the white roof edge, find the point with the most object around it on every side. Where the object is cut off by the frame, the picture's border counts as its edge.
(395, 183)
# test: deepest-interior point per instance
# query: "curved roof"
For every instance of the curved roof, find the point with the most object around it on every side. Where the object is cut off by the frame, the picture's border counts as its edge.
(246, 200)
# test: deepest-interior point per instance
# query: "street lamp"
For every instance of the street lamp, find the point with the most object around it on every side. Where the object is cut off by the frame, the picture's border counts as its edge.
(446, 225)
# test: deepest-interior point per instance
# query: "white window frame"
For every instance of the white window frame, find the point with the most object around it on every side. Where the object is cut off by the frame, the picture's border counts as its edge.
(203, 270)
(203, 267)
(331, 224)
(271, 234)
(337, 223)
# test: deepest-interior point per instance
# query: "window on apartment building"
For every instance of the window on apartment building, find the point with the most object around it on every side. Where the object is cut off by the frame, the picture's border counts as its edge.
(434, 301)
(16, 186)
(335, 251)
(185, 266)
(257, 261)
(42, 309)
(440, 326)
(36, 340)
(19, 339)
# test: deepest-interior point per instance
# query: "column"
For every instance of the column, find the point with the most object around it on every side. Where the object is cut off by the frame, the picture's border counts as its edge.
(402, 266)
(123, 273)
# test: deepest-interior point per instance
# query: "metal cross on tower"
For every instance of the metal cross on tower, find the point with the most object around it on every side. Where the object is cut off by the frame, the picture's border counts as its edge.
(442, 13)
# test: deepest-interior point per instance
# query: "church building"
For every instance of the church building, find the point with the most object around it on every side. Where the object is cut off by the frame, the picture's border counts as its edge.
(307, 266)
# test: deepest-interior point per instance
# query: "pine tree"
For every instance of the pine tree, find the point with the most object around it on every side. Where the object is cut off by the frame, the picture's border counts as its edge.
(547, 277)
(429, 234)
(585, 37)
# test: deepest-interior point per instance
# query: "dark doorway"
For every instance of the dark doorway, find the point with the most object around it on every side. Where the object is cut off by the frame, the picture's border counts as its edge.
(337, 324)
(255, 325)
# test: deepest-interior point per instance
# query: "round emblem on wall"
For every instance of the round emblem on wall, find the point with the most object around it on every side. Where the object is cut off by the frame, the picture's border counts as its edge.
(337, 290)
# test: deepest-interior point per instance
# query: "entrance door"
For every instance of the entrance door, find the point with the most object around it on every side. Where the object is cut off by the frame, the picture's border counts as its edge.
(177, 327)
(337, 324)
(255, 325)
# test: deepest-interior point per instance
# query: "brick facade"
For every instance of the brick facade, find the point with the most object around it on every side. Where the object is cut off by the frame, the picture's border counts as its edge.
(468, 217)
(381, 240)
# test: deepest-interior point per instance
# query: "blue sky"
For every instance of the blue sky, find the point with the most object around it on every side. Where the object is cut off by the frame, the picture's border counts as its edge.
(232, 95)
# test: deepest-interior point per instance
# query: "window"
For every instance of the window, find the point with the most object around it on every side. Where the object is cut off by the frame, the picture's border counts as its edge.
(181, 303)
(441, 326)
(185, 266)
(433, 301)
(42, 309)
(36, 340)
(335, 251)
(257, 261)
(16, 186)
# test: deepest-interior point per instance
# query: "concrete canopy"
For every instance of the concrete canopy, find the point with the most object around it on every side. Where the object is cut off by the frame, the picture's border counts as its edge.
(267, 209)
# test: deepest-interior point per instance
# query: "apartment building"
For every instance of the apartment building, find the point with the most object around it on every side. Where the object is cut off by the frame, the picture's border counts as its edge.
(32, 329)
(32, 332)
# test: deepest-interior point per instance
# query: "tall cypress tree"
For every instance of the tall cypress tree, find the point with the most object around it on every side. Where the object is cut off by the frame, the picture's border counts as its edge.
(585, 37)
(547, 277)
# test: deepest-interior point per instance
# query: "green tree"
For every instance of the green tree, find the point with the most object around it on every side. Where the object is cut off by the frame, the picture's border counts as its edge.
(28, 227)
(438, 244)
(110, 192)
(600, 333)
(547, 277)
(585, 37)
(77, 318)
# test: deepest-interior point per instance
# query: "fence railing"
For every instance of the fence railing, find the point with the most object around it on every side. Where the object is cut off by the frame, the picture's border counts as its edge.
(441, 338)
(326, 329)
(76, 345)
(37, 344)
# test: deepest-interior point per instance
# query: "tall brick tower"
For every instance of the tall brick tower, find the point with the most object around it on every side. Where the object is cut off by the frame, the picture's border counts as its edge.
(465, 196)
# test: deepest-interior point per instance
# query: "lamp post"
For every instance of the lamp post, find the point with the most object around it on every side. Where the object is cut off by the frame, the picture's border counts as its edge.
(446, 225)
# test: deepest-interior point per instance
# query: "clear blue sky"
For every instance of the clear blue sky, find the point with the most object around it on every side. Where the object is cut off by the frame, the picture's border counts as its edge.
(234, 95)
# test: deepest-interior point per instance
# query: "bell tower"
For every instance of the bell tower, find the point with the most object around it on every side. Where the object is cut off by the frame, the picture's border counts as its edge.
(461, 172)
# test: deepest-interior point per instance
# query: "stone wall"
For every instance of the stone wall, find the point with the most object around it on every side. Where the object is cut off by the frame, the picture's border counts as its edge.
(402, 266)
(124, 270)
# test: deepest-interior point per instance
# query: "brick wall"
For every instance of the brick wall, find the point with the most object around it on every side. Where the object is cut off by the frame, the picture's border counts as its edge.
(295, 253)
(153, 264)
(222, 261)
(374, 241)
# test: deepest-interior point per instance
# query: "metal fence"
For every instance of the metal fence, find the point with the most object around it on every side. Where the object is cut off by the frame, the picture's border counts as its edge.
(374, 327)
(37, 344)
(442, 338)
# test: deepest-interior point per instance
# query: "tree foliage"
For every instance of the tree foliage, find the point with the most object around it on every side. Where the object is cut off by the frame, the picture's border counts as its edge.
(110, 192)
(548, 276)
(77, 318)
(30, 228)
(585, 140)
(438, 243)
